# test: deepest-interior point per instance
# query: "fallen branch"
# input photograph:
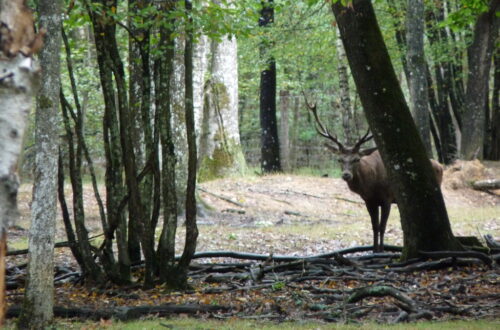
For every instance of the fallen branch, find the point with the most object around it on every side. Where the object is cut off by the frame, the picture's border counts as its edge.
(125, 313)
(348, 200)
(56, 245)
(274, 257)
(434, 265)
(491, 184)
(457, 254)
(221, 197)
(490, 241)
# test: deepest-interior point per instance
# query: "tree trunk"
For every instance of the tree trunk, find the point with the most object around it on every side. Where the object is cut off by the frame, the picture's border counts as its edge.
(178, 119)
(494, 147)
(164, 69)
(84, 255)
(423, 214)
(479, 53)
(294, 135)
(115, 144)
(284, 131)
(139, 95)
(39, 296)
(270, 153)
(220, 151)
(191, 227)
(417, 81)
(17, 89)
(345, 99)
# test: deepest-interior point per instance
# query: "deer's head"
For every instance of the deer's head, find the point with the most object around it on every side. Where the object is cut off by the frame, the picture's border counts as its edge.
(348, 157)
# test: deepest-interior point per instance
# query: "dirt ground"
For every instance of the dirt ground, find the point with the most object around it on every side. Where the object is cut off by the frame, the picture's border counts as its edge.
(300, 215)
(305, 214)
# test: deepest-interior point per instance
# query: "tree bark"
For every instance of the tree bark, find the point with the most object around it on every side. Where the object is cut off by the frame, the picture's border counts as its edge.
(494, 139)
(191, 226)
(417, 81)
(164, 70)
(115, 142)
(345, 99)
(74, 155)
(270, 153)
(284, 131)
(220, 152)
(39, 296)
(423, 214)
(479, 58)
(18, 86)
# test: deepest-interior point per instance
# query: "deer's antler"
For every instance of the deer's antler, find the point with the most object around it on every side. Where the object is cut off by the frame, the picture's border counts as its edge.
(365, 138)
(320, 128)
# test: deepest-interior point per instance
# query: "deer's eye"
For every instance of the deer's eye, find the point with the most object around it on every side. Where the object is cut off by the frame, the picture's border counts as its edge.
(356, 160)
(340, 160)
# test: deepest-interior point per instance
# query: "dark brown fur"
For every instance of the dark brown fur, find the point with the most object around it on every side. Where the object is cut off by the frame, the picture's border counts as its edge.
(365, 174)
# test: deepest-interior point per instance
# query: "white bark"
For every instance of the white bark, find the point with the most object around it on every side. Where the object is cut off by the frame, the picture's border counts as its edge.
(220, 147)
(17, 81)
(178, 120)
(200, 64)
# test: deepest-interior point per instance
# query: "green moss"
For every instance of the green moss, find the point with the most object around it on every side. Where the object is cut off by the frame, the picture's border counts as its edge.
(225, 160)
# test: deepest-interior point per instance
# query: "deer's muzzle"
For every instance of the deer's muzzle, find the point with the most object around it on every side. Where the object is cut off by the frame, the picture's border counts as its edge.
(347, 176)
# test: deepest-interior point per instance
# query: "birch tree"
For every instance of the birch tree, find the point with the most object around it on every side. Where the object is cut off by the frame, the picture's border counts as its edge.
(18, 82)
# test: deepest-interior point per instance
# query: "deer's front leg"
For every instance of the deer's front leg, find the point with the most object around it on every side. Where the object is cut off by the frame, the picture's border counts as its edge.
(373, 211)
(384, 216)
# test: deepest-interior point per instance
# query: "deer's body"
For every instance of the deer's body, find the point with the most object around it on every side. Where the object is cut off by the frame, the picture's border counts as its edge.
(368, 178)
(364, 172)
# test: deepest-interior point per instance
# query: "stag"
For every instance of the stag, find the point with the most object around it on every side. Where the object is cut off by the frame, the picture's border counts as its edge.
(365, 174)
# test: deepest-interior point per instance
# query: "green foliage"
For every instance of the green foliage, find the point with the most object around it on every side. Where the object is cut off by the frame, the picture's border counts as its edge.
(466, 14)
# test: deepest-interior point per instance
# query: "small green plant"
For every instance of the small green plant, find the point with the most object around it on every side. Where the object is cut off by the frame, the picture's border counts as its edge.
(278, 286)
(233, 236)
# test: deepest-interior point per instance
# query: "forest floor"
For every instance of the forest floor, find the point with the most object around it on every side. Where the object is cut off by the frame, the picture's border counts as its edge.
(296, 215)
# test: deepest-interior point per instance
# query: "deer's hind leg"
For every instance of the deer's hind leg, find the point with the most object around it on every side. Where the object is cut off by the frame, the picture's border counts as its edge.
(373, 211)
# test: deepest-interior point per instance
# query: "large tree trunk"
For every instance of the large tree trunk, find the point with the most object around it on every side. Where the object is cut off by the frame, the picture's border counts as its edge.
(17, 89)
(270, 153)
(480, 54)
(39, 296)
(220, 151)
(417, 77)
(423, 214)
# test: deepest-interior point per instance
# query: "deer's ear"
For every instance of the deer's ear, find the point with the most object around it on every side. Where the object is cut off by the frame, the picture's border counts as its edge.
(368, 151)
(332, 148)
